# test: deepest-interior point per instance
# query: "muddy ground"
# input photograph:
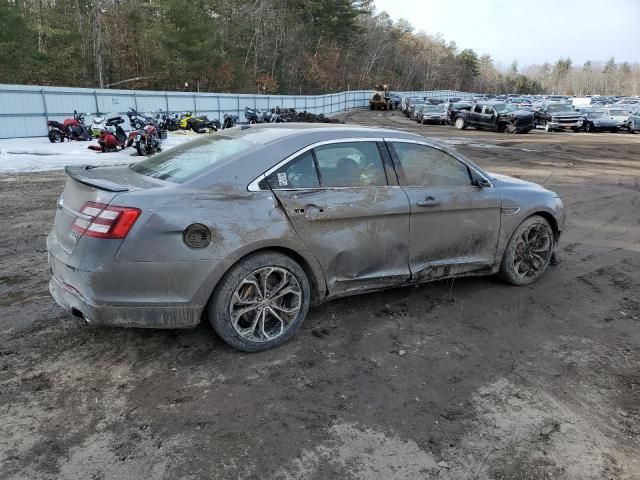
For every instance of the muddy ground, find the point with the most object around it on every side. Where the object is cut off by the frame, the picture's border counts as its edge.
(467, 380)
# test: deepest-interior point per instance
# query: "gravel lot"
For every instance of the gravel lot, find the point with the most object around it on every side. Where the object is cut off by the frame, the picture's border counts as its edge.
(473, 379)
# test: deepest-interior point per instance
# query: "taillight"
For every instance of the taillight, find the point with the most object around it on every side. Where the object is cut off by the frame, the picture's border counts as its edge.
(107, 221)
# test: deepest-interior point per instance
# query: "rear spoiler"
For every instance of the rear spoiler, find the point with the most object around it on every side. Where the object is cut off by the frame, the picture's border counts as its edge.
(83, 175)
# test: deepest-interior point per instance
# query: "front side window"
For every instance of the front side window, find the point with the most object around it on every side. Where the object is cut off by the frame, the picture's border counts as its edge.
(429, 167)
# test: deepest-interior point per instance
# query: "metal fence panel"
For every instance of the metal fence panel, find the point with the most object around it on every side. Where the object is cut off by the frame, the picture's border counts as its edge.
(24, 110)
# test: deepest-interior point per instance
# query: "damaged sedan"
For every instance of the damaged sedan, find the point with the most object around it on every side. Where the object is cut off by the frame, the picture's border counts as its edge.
(251, 228)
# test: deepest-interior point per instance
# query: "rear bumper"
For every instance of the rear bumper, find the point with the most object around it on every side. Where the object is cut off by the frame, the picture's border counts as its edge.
(134, 316)
(127, 294)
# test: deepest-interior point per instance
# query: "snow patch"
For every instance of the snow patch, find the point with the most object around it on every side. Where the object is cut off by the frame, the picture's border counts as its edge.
(19, 155)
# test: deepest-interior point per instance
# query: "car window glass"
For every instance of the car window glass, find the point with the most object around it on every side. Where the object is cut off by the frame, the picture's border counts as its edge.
(299, 173)
(430, 167)
(352, 164)
(488, 110)
(477, 109)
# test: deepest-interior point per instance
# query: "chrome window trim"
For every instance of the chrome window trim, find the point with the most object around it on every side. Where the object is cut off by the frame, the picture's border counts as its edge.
(426, 143)
(254, 187)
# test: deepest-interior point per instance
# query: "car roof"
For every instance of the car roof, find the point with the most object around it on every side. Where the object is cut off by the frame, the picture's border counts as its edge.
(272, 132)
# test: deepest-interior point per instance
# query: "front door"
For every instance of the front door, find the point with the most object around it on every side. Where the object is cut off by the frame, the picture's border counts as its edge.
(345, 211)
(455, 225)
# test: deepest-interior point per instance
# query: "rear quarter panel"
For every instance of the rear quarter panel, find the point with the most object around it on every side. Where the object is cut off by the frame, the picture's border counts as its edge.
(240, 222)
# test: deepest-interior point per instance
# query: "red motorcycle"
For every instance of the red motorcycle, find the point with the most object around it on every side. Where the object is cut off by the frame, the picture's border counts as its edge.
(70, 129)
(146, 140)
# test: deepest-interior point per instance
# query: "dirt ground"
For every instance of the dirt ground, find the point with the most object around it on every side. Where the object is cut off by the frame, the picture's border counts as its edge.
(473, 379)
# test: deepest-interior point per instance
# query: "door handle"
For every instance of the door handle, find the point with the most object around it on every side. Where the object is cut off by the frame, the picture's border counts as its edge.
(310, 211)
(428, 202)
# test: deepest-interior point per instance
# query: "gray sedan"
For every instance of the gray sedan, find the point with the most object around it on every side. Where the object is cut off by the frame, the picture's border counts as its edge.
(251, 227)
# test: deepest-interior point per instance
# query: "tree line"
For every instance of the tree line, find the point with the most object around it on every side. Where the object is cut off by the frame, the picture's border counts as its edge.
(268, 46)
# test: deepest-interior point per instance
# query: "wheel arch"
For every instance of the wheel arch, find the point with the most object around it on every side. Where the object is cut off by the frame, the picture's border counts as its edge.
(307, 262)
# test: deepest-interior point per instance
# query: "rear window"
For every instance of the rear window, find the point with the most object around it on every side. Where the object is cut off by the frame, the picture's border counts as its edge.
(186, 161)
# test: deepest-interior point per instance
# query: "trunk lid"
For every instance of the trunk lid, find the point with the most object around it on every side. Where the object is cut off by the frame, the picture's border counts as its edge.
(91, 184)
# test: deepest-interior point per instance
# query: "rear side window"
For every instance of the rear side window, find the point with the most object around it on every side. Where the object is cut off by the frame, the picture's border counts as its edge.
(299, 173)
(426, 166)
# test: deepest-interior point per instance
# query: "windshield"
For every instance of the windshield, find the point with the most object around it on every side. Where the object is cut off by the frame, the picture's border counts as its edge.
(504, 108)
(433, 108)
(559, 108)
(185, 161)
(618, 113)
(596, 115)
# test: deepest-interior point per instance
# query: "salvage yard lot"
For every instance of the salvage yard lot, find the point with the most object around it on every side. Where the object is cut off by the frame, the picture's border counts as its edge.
(454, 380)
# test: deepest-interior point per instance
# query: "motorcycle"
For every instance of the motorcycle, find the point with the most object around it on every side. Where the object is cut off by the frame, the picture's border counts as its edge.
(253, 115)
(138, 120)
(71, 129)
(112, 136)
(100, 122)
(257, 116)
(146, 140)
(166, 121)
(229, 120)
(198, 124)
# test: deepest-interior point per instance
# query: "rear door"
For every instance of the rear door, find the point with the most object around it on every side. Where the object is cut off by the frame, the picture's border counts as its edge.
(346, 211)
(475, 115)
(454, 225)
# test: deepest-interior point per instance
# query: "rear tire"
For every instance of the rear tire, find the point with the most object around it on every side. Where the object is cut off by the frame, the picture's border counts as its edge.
(460, 124)
(248, 310)
(528, 252)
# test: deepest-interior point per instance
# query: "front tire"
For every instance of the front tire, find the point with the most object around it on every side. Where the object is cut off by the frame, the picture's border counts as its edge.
(260, 303)
(528, 253)
(55, 136)
(141, 148)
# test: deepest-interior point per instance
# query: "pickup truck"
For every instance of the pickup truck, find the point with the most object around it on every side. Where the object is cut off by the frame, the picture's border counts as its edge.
(558, 116)
(498, 116)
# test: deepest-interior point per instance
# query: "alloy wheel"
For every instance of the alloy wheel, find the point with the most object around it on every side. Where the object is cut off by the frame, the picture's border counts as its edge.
(265, 304)
(532, 251)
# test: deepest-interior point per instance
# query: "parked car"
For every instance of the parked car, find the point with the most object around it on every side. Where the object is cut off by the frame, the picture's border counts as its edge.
(598, 121)
(251, 227)
(633, 122)
(619, 114)
(498, 116)
(409, 102)
(558, 116)
(432, 114)
(413, 110)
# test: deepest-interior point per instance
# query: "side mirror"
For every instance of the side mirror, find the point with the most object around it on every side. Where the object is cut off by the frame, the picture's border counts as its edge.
(482, 182)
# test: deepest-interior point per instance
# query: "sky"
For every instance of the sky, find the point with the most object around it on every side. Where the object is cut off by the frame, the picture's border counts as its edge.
(531, 31)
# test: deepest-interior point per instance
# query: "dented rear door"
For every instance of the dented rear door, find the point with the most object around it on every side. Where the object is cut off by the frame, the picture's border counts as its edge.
(343, 209)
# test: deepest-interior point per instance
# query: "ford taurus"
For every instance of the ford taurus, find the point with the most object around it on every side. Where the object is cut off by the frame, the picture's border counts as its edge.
(251, 227)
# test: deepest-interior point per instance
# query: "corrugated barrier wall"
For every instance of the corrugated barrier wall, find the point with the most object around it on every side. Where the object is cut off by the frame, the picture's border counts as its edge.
(25, 110)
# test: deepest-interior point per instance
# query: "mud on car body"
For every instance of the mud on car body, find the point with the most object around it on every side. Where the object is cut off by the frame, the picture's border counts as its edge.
(252, 227)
